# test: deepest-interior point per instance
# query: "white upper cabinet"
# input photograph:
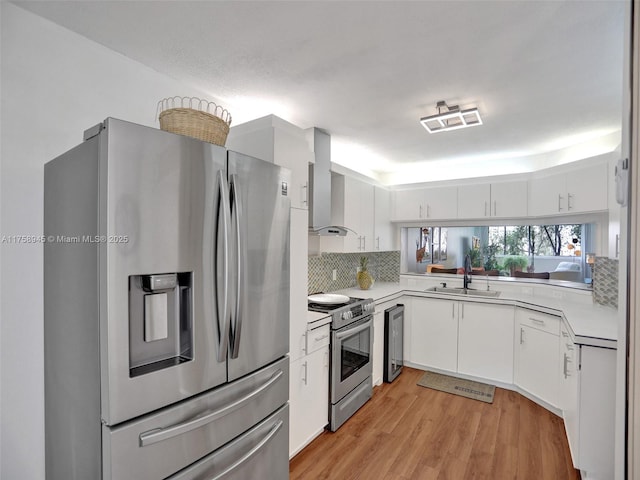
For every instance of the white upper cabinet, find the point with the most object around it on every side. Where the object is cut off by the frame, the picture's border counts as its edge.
(578, 191)
(272, 139)
(493, 200)
(358, 214)
(474, 201)
(352, 206)
(509, 199)
(436, 203)
(382, 229)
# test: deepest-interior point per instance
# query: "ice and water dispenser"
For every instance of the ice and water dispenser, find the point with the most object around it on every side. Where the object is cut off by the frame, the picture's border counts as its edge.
(160, 321)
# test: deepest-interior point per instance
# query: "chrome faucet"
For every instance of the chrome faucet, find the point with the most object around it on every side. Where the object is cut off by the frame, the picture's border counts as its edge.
(467, 271)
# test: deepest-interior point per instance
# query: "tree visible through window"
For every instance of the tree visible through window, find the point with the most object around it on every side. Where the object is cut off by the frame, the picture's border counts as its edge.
(536, 240)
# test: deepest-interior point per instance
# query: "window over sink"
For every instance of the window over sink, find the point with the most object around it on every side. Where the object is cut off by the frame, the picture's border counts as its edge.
(536, 251)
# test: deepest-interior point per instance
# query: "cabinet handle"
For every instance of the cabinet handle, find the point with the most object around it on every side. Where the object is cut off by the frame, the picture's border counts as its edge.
(305, 195)
(364, 243)
(428, 210)
(317, 339)
(559, 204)
(569, 196)
(485, 208)
(305, 338)
(566, 375)
(617, 244)
(420, 214)
(537, 320)
(377, 243)
(453, 310)
(326, 358)
(495, 208)
(521, 335)
(305, 372)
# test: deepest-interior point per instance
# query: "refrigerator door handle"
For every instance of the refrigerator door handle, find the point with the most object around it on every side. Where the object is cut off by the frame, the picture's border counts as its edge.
(224, 318)
(272, 433)
(236, 198)
(160, 434)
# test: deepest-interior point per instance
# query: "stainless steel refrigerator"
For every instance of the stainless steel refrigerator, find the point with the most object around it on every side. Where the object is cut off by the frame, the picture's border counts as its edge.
(166, 310)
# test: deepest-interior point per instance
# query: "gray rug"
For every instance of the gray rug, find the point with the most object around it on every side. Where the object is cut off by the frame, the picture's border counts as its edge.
(458, 386)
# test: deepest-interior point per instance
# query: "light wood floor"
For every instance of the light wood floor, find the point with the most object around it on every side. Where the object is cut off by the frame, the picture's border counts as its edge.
(410, 432)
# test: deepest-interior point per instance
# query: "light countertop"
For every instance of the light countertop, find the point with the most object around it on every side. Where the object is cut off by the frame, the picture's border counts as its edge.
(590, 324)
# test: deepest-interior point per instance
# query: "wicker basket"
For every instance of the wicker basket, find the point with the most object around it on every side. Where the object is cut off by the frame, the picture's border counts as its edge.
(179, 116)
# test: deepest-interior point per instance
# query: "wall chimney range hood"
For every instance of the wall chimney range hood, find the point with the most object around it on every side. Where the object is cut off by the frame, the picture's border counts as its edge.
(320, 191)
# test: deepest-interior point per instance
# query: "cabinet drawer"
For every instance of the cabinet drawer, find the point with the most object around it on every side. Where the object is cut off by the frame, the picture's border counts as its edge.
(541, 321)
(159, 444)
(318, 338)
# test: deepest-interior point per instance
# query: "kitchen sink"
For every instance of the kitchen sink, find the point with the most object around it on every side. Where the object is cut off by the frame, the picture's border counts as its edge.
(464, 291)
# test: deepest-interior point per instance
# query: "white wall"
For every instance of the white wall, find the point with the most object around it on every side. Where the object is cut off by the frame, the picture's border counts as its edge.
(54, 85)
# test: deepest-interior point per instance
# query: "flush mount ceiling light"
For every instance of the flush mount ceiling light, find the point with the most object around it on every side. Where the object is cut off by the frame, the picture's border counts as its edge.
(451, 118)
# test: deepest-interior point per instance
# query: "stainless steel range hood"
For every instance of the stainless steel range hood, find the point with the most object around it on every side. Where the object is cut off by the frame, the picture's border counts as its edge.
(320, 182)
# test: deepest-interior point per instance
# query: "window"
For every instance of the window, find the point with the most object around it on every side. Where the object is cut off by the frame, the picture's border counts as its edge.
(554, 249)
(537, 240)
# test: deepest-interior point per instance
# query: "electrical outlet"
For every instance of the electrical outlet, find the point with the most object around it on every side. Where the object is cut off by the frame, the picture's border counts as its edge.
(334, 275)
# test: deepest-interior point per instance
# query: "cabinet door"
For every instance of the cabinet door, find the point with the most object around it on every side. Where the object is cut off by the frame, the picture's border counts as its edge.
(308, 399)
(485, 345)
(568, 397)
(597, 397)
(537, 363)
(382, 240)
(440, 203)
(434, 333)
(366, 214)
(298, 281)
(587, 189)
(407, 205)
(352, 206)
(547, 195)
(509, 199)
(292, 152)
(474, 201)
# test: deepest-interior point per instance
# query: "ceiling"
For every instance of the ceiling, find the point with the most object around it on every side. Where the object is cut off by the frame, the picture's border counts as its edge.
(546, 75)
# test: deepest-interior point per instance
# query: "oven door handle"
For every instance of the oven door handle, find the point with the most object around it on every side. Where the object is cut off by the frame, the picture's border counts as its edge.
(354, 330)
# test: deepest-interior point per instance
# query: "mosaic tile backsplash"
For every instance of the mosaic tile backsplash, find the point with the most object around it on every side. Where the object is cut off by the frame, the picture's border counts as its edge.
(605, 282)
(383, 266)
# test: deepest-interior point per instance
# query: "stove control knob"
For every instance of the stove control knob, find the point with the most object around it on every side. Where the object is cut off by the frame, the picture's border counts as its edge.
(347, 315)
(368, 307)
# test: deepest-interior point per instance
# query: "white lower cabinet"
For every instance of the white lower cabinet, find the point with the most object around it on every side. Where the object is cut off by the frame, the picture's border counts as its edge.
(433, 334)
(568, 400)
(587, 386)
(485, 341)
(309, 392)
(537, 356)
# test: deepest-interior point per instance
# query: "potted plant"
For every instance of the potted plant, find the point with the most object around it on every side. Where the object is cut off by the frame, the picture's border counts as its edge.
(515, 263)
(476, 257)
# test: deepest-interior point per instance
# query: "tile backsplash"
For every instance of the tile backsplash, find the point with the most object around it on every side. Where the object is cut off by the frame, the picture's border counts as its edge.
(605, 282)
(384, 267)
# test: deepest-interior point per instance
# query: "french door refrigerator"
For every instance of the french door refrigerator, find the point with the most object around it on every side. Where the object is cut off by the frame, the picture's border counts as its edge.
(166, 303)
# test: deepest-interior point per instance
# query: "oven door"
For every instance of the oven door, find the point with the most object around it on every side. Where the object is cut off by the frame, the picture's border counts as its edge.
(351, 361)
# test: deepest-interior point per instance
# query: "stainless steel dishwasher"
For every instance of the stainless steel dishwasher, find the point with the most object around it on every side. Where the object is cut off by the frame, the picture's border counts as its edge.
(393, 341)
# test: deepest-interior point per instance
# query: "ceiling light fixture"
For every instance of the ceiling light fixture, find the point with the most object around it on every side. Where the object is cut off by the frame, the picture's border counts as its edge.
(452, 118)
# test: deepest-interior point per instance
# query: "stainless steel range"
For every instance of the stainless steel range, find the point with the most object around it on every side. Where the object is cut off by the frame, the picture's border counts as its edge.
(350, 383)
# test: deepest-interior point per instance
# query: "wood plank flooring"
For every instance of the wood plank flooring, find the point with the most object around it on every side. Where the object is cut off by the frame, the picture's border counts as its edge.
(410, 432)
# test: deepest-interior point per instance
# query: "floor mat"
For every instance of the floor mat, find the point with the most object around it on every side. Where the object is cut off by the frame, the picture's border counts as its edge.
(458, 386)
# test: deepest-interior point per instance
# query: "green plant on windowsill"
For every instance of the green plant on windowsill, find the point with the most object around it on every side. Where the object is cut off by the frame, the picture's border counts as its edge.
(515, 263)
(476, 257)
(490, 260)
